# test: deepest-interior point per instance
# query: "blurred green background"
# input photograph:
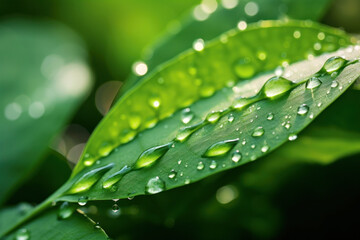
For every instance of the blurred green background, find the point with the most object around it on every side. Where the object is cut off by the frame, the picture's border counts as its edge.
(264, 200)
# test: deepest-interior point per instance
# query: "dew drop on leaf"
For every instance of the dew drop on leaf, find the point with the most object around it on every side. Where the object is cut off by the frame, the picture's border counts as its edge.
(231, 118)
(334, 84)
(292, 137)
(155, 185)
(187, 181)
(258, 132)
(277, 86)
(65, 210)
(82, 201)
(213, 164)
(185, 133)
(313, 82)
(265, 148)
(303, 109)
(200, 166)
(22, 234)
(172, 174)
(151, 155)
(115, 177)
(115, 208)
(236, 156)
(213, 117)
(220, 148)
(186, 115)
(270, 116)
(105, 149)
(88, 160)
(333, 64)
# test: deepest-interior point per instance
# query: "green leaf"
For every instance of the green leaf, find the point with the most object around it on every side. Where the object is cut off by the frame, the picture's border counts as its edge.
(270, 119)
(182, 35)
(49, 226)
(43, 78)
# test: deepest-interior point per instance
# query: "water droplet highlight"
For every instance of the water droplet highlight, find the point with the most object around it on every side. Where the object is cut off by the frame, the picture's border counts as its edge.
(303, 109)
(277, 86)
(172, 174)
(334, 64)
(151, 155)
(220, 148)
(200, 166)
(22, 234)
(186, 115)
(213, 164)
(270, 116)
(292, 137)
(313, 82)
(185, 133)
(115, 177)
(82, 201)
(213, 116)
(65, 210)
(236, 156)
(258, 132)
(334, 84)
(155, 185)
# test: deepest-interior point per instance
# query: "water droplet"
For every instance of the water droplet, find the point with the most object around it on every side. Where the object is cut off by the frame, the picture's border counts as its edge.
(213, 116)
(287, 125)
(220, 148)
(292, 137)
(231, 118)
(115, 177)
(319, 104)
(185, 133)
(154, 102)
(115, 208)
(134, 122)
(88, 159)
(198, 44)
(22, 234)
(105, 149)
(253, 146)
(270, 116)
(140, 68)
(213, 164)
(155, 185)
(244, 68)
(186, 115)
(265, 148)
(258, 132)
(151, 155)
(303, 109)
(241, 103)
(279, 71)
(334, 84)
(236, 156)
(187, 181)
(86, 181)
(82, 201)
(277, 86)
(200, 166)
(65, 210)
(333, 64)
(313, 82)
(311, 116)
(97, 225)
(243, 142)
(172, 174)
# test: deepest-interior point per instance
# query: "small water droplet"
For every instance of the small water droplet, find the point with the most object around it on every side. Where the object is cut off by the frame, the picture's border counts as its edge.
(313, 82)
(82, 201)
(319, 104)
(311, 116)
(303, 109)
(151, 155)
(213, 116)
(277, 86)
(334, 84)
(244, 68)
(213, 164)
(65, 210)
(236, 156)
(97, 225)
(243, 142)
(198, 44)
(187, 181)
(115, 177)
(86, 181)
(179, 162)
(220, 148)
(270, 116)
(172, 174)
(22, 234)
(115, 208)
(154, 102)
(334, 64)
(265, 148)
(186, 115)
(105, 149)
(292, 137)
(200, 166)
(231, 118)
(287, 125)
(258, 132)
(88, 160)
(186, 132)
(253, 146)
(155, 185)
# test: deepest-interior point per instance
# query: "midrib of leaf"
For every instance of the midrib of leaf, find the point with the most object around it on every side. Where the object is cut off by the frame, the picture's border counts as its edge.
(218, 57)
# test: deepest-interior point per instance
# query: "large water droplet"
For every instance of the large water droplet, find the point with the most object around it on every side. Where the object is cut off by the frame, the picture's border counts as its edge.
(22, 234)
(313, 82)
(236, 156)
(213, 164)
(86, 181)
(115, 177)
(185, 133)
(303, 109)
(200, 166)
(155, 185)
(65, 210)
(149, 157)
(244, 68)
(186, 115)
(333, 64)
(213, 116)
(258, 132)
(277, 86)
(220, 148)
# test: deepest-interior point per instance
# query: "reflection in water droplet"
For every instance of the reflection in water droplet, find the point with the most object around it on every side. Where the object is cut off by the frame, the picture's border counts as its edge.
(287, 125)
(334, 84)
(270, 116)
(82, 201)
(313, 82)
(186, 115)
(200, 166)
(213, 164)
(258, 132)
(172, 174)
(22, 234)
(277, 86)
(65, 210)
(88, 160)
(213, 116)
(265, 148)
(86, 181)
(115, 177)
(333, 64)
(155, 185)
(151, 155)
(115, 208)
(303, 109)
(292, 137)
(187, 181)
(236, 156)
(220, 148)
(231, 118)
